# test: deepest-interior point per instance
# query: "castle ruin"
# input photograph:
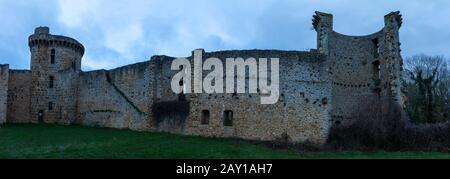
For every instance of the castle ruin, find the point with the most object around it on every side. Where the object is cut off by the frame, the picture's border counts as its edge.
(318, 89)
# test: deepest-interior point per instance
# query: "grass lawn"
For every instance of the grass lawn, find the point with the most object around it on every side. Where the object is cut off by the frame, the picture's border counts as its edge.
(53, 141)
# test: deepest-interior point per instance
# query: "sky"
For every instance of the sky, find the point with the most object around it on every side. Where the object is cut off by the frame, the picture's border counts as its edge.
(121, 32)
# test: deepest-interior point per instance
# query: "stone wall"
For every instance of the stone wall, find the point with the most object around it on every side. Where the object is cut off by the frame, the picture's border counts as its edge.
(19, 96)
(65, 97)
(317, 88)
(391, 62)
(302, 113)
(166, 115)
(117, 98)
(4, 77)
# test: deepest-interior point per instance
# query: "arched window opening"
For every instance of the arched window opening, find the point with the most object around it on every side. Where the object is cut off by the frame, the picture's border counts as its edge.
(205, 117)
(228, 118)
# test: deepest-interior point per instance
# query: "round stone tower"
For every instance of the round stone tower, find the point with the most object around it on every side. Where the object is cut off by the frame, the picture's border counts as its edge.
(55, 68)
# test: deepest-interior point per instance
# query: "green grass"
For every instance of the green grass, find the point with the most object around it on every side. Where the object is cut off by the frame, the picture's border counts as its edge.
(53, 141)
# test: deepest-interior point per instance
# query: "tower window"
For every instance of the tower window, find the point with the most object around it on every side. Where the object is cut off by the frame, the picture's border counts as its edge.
(376, 52)
(182, 95)
(205, 117)
(228, 118)
(51, 82)
(376, 70)
(50, 106)
(181, 83)
(376, 75)
(52, 56)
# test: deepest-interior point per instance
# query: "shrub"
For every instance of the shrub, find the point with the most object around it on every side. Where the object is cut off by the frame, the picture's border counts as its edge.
(393, 131)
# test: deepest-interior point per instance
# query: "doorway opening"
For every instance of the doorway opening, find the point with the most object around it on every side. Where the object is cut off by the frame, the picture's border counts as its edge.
(41, 116)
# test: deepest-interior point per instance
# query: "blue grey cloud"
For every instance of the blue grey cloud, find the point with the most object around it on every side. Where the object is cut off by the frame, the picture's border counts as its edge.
(120, 32)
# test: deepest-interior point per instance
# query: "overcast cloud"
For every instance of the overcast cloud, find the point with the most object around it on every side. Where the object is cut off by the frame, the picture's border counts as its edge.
(120, 32)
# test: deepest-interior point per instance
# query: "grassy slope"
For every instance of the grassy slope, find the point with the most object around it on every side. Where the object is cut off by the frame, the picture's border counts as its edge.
(51, 141)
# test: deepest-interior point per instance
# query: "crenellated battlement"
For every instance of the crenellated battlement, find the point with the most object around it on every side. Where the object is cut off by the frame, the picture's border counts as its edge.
(42, 37)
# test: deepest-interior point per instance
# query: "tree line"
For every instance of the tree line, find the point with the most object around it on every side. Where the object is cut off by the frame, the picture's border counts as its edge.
(427, 88)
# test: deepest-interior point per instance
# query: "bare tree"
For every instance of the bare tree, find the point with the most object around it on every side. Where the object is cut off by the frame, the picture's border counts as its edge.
(428, 83)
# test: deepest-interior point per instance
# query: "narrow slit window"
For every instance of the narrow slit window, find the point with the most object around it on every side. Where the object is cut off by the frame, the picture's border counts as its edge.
(51, 82)
(181, 83)
(376, 70)
(50, 106)
(52, 56)
(376, 44)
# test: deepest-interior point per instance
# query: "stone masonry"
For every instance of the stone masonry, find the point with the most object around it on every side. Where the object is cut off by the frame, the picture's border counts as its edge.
(318, 88)
(4, 78)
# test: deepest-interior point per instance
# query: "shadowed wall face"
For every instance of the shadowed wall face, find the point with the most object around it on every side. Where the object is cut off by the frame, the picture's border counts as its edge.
(19, 96)
(356, 72)
(119, 98)
(364, 68)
